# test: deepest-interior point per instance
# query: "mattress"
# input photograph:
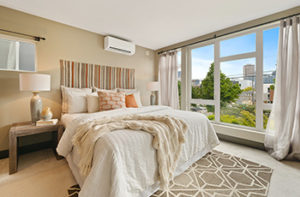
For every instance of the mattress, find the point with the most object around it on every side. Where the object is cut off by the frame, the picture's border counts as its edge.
(124, 162)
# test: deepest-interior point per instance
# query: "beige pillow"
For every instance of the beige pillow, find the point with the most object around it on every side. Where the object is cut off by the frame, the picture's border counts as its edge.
(92, 102)
(77, 102)
(111, 100)
(66, 91)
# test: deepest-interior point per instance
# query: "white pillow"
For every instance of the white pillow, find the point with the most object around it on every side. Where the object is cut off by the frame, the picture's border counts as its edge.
(66, 91)
(138, 98)
(136, 94)
(77, 102)
(92, 102)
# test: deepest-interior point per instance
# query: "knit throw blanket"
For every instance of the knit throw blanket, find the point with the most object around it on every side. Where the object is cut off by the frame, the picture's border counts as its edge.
(168, 136)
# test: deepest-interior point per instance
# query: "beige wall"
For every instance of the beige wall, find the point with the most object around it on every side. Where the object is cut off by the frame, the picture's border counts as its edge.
(62, 42)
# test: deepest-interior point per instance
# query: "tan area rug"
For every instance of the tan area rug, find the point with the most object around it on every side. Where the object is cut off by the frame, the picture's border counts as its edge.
(216, 174)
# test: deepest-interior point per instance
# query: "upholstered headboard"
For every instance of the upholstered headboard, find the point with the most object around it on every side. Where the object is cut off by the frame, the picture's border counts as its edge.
(83, 75)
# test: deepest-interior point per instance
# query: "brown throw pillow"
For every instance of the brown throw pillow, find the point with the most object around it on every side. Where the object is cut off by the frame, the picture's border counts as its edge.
(130, 101)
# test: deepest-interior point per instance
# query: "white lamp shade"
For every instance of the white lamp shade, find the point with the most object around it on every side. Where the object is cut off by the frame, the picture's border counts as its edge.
(153, 86)
(34, 82)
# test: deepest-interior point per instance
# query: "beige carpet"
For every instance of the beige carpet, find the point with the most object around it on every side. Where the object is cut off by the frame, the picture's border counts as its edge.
(216, 174)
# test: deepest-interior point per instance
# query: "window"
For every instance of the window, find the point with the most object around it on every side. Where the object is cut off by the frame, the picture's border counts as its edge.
(270, 50)
(202, 65)
(238, 45)
(238, 96)
(17, 55)
(232, 79)
(202, 84)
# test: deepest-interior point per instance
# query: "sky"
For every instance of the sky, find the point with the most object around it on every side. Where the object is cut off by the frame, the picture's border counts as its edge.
(204, 56)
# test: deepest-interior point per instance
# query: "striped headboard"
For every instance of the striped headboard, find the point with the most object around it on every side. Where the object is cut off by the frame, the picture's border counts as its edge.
(82, 75)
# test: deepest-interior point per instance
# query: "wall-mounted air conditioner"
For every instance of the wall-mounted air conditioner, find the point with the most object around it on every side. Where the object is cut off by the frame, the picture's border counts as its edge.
(119, 46)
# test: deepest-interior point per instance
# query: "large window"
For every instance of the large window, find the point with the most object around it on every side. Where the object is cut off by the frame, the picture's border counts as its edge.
(232, 78)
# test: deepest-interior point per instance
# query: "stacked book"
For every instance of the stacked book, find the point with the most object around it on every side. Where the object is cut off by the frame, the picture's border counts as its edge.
(46, 122)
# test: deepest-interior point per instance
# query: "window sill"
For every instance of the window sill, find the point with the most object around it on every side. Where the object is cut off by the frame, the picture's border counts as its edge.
(238, 132)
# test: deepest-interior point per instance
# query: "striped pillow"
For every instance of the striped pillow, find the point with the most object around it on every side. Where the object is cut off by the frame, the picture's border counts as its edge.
(111, 100)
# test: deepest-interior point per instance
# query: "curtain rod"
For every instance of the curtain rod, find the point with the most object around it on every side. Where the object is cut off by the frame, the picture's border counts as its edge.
(36, 38)
(226, 34)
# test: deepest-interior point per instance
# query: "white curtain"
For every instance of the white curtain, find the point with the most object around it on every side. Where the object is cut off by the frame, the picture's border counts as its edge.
(168, 69)
(283, 131)
(13, 56)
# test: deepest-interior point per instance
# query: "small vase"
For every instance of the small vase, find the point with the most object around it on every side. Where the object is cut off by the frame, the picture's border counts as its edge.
(46, 113)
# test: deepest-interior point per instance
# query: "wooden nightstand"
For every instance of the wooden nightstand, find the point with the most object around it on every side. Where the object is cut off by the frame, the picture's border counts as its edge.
(26, 129)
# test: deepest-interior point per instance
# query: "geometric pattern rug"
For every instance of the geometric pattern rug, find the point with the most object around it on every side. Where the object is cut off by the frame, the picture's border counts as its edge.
(216, 174)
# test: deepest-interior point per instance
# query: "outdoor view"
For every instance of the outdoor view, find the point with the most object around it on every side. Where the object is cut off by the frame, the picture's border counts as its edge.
(237, 78)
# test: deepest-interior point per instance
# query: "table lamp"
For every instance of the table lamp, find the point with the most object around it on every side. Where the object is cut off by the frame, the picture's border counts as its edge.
(153, 86)
(35, 83)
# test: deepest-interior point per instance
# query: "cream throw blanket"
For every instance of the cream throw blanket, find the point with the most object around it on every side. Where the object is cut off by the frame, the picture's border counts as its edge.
(168, 135)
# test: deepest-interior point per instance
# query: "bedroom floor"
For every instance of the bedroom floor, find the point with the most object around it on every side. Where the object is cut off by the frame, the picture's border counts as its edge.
(40, 174)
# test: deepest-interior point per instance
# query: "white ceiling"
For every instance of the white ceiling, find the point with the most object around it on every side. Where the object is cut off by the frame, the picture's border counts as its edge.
(151, 23)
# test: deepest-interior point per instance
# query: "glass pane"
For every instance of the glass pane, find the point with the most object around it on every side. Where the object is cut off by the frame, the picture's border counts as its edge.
(203, 72)
(270, 50)
(238, 45)
(207, 110)
(15, 55)
(27, 56)
(179, 77)
(238, 92)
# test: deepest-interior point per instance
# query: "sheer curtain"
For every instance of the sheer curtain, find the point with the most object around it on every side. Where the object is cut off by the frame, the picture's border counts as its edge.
(283, 131)
(13, 55)
(168, 79)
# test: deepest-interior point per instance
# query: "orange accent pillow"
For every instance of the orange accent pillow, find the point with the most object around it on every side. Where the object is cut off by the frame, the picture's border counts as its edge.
(130, 101)
(111, 100)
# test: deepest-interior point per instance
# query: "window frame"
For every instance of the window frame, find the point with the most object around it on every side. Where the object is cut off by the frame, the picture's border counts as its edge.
(257, 54)
(18, 39)
(189, 81)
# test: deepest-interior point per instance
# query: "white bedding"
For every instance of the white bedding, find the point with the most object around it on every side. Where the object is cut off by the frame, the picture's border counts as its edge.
(124, 163)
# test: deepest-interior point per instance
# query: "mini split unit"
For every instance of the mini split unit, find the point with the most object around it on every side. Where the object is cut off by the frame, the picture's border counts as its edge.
(118, 46)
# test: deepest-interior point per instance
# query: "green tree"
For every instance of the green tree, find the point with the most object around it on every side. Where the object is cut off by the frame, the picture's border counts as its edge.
(248, 119)
(247, 89)
(229, 91)
(179, 88)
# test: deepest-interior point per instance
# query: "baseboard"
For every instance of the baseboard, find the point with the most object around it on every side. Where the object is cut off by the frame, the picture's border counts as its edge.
(240, 141)
(28, 148)
(240, 132)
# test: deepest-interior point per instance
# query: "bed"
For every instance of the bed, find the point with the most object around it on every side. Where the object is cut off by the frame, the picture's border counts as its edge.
(124, 162)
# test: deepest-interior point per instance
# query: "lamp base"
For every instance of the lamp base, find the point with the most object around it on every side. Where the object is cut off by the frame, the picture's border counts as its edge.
(152, 99)
(35, 107)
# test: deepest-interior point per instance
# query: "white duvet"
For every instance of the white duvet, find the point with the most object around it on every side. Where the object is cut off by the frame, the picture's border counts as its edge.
(124, 163)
